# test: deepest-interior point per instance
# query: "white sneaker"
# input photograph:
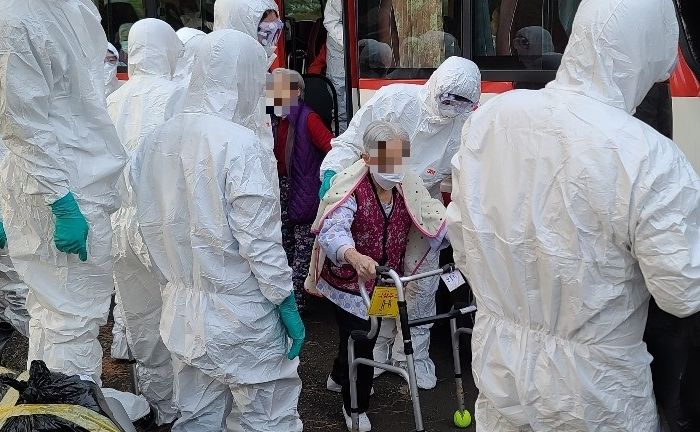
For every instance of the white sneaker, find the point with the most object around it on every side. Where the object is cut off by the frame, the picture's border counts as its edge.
(365, 425)
(333, 386)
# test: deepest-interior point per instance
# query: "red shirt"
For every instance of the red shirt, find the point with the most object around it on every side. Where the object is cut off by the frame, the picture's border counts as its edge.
(320, 137)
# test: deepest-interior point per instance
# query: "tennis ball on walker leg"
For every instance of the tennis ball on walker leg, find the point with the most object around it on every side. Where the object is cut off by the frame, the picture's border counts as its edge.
(462, 419)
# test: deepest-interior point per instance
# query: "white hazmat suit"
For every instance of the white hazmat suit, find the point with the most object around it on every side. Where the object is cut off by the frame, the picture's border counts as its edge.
(60, 139)
(245, 16)
(333, 22)
(146, 101)
(190, 38)
(208, 208)
(567, 213)
(434, 141)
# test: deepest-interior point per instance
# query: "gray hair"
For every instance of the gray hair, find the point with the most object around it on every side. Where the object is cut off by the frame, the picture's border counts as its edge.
(382, 131)
(293, 76)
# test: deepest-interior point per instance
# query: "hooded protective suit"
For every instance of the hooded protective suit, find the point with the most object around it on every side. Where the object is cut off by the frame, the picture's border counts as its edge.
(568, 212)
(434, 141)
(211, 221)
(190, 38)
(147, 100)
(245, 16)
(333, 22)
(60, 139)
(111, 81)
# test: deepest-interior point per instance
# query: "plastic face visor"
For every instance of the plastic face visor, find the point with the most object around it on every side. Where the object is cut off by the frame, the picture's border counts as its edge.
(458, 103)
(269, 32)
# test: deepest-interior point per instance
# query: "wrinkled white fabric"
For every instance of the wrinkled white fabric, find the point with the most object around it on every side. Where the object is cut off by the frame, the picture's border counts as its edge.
(190, 38)
(333, 22)
(211, 220)
(234, 408)
(434, 139)
(111, 81)
(120, 347)
(13, 291)
(147, 100)
(60, 139)
(245, 16)
(568, 214)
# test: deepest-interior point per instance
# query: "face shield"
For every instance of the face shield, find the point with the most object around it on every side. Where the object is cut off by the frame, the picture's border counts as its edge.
(268, 34)
(452, 105)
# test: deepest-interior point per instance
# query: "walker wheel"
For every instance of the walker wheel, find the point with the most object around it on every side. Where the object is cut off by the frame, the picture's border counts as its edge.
(462, 419)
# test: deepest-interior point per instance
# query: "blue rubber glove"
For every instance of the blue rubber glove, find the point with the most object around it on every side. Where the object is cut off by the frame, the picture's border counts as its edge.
(294, 325)
(3, 236)
(326, 184)
(71, 231)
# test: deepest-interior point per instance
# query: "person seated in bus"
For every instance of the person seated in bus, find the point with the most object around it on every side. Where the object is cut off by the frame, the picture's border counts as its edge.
(374, 58)
(301, 142)
(433, 115)
(375, 211)
(259, 19)
(319, 64)
(123, 37)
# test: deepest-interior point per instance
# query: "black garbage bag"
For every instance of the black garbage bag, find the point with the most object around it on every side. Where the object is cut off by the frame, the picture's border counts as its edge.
(45, 388)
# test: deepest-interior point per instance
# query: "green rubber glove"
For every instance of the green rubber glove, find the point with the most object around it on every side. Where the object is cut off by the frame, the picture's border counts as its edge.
(294, 325)
(71, 231)
(3, 236)
(327, 177)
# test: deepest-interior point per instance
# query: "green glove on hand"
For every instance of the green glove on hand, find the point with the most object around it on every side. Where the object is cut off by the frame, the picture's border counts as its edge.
(71, 231)
(294, 325)
(327, 177)
(3, 236)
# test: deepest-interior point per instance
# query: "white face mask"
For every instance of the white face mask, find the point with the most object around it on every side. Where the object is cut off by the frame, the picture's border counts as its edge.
(387, 181)
(450, 111)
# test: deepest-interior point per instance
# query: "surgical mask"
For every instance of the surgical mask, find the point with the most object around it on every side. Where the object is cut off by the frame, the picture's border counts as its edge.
(125, 46)
(268, 33)
(451, 105)
(387, 181)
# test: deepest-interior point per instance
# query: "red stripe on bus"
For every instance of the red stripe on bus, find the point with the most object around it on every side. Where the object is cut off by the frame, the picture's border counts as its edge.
(684, 83)
(486, 86)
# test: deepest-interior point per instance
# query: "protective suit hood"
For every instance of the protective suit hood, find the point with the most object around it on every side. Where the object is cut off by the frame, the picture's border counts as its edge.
(191, 39)
(610, 63)
(228, 77)
(241, 15)
(154, 48)
(455, 75)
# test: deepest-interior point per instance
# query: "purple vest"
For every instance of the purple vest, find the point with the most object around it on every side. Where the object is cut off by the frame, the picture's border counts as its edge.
(381, 237)
(303, 169)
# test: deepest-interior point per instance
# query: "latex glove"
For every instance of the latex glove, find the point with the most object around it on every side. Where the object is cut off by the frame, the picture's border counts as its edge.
(71, 231)
(294, 325)
(327, 177)
(3, 236)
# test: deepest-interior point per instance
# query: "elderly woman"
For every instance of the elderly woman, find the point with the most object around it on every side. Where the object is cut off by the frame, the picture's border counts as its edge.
(301, 142)
(373, 213)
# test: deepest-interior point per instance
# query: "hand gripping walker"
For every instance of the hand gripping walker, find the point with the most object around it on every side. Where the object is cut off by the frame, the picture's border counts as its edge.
(386, 274)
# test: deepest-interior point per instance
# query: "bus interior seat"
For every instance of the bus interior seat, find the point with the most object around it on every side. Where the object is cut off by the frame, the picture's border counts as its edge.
(320, 96)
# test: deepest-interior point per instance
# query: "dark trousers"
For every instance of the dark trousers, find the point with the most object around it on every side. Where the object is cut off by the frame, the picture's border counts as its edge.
(347, 323)
(673, 343)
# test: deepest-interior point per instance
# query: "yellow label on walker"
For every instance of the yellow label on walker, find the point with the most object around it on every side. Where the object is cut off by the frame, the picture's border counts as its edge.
(385, 303)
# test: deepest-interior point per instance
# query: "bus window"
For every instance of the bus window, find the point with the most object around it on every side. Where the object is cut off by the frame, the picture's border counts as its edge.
(305, 34)
(407, 39)
(117, 18)
(521, 35)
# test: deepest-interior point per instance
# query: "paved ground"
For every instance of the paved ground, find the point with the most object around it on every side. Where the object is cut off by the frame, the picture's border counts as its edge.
(320, 409)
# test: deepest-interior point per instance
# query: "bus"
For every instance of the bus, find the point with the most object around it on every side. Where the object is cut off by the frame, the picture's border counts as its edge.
(515, 43)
